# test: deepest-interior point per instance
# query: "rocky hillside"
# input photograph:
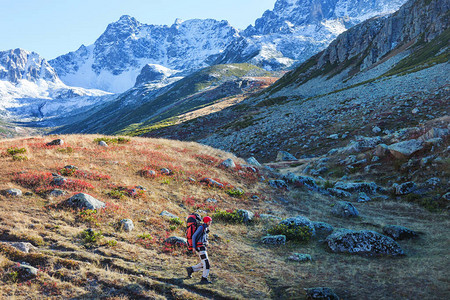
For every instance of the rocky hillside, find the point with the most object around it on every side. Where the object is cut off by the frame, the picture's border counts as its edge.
(103, 217)
(143, 107)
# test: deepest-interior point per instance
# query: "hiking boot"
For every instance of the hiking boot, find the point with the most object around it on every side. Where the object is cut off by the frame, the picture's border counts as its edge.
(189, 271)
(205, 281)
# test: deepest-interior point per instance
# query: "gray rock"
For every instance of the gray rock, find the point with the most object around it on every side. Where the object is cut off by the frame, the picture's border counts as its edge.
(27, 272)
(127, 225)
(274, 240)
(149, 173)
(323, 229)
(247, 216)
(22, 246)
(405, 149)
(13, 193)
(56, 193)
(70, 167)
(57, 142)
(366, 187)
(165, 171)
(333, 136)
(167, 214)
(212, 183)
(375, 158)
(299, 221)
(434, 133)
(300, 181)
(176, 241)
(285, 156)
(376, 129)
(322, 293)
(211, 200)
(278, 184)
(404, 188)
(345, 210)
(381, 150)
(433, 182)
(228, 163)
(253, 162)
(339, 193)
(446, 196)
(362, 144)
(363, 197)
(84, 201)
(102, 144)
(363, 242)
(58, 180)
(300, 257)
(255, 198)
(399, 232)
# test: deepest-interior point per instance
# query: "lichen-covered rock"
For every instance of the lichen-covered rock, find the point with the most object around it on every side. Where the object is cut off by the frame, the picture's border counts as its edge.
(228, 163)
(345, 210)
(366, 187)
(322, 229)
(84, 201)
(364, 242)
(13, 193)
(299, 221)
(278, 184)
(246, 215)
(322, 293)
(285, 156)
(127, 225)
(339, 193)
(434, 133)
(300, 181)
(363, 197)
(362, 144)
(56, 193)
(167, 214)
(300, 257)
(405, 149)
(274, 240)
(176, 241)
(253, 162)
(399, 232)
(212, 183)
(404, 188)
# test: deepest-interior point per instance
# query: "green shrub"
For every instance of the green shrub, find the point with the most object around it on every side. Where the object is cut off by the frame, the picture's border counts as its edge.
(235, 192)
(14, 150)
(67, 150)
(145, 236)
(90, 237)
(228, 217)
(12, 276)
(299, 234)
(111, 243)
(176, 221)
(19, 158)
(116, 194)
(120, 140)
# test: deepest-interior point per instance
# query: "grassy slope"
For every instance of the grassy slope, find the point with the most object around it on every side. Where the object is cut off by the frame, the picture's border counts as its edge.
(148, 108)
(241, 267)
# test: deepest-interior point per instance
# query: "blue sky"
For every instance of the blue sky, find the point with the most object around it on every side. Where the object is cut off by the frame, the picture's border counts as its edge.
(55, 27)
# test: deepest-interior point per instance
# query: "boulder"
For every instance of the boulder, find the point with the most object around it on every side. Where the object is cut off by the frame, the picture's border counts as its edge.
(228, 164)
(300, 181)
(176, 241)
(434, 133)
(344, 209)
(362, 144)
(405, 149)
(22, 246)
(127, 225)
(322, 229)
(339, 193)
(13, 193)
(300, 257)
(299, 221)
(363, 197)
(404, 188)
(366, 187)
(399, 232)
(253, 162)
(85, 201)
(322, 293)
(381, 150)
(58, 180)
(102, 144)
(376, 129)
(278, 184)
(246, 215)
(365, 242)
(57, 142)
(274, 240)
(167, 214)
(285, 156)
(212, 183)
(27, 272)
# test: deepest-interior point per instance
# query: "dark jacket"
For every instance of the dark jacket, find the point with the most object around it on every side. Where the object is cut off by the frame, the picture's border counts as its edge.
(200, 237)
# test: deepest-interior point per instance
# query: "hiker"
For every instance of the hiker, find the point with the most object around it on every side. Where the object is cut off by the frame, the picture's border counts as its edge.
(193, 222)
(199, 242)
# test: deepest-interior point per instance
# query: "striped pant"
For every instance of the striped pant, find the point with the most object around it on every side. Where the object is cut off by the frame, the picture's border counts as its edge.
(203, 265)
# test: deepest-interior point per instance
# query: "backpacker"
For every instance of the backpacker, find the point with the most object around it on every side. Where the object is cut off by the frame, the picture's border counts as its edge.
(193, 221)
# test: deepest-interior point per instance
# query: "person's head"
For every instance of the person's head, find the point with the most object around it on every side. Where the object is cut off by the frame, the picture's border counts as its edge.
(207, 220)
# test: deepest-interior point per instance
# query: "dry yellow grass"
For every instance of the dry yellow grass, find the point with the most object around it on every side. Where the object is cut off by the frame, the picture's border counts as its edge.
(136, 265)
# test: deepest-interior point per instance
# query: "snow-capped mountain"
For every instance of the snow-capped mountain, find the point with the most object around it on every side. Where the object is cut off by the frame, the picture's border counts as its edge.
(31, 90)
(297, 29)
(117, 57)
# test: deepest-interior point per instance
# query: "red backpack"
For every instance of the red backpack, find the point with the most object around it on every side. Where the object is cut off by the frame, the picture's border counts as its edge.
(193, 221)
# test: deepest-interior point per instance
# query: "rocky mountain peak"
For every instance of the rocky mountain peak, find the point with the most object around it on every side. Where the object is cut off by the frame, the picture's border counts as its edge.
(17, 64)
